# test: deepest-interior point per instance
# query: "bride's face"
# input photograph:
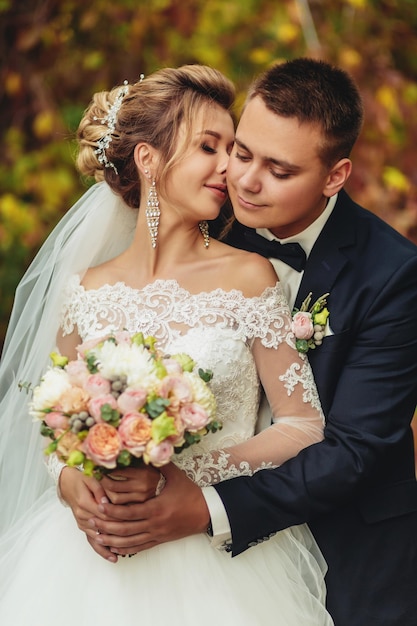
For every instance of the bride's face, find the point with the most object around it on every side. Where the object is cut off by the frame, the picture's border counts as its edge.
(196, 185)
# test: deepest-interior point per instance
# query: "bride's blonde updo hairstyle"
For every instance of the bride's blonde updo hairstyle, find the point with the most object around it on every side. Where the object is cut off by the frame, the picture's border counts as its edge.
(152, 111)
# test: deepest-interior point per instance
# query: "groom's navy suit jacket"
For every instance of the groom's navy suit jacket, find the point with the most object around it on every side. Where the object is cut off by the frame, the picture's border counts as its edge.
(357, 488)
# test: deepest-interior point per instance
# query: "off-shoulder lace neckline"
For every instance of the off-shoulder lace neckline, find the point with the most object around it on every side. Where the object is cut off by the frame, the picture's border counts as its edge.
(174, 285)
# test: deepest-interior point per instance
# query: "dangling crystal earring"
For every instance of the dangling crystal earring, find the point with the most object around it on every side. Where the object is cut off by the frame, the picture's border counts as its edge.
(152, 213)
(204, 228)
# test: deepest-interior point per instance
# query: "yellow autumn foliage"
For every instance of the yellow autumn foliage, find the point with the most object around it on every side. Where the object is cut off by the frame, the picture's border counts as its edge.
(394, 179)
(43, 125)
(16, 220)
(386, 96)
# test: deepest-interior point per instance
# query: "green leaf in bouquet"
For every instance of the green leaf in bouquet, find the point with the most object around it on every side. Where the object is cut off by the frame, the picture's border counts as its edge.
(89, 469)
(124, 459)
(160, 369)
(51, 448)
(214, 426)
(156, 406)
(163, 427)
(205, 375)
(58, 360)
(186, 362)
(150, 342)
(191, 438)
(138, 339)
(109, 415)
(91, 362)
(76, 457)
(46, 431)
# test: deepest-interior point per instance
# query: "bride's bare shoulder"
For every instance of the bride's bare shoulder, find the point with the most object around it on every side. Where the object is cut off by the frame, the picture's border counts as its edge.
(248, 271)
(104, 274)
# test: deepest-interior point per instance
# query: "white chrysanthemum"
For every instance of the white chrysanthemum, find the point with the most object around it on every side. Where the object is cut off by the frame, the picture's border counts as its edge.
(202, 393)
(128, 360)
(47, 394)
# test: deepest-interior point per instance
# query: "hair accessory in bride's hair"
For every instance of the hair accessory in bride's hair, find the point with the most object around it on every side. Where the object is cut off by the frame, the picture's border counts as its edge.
(110, 120)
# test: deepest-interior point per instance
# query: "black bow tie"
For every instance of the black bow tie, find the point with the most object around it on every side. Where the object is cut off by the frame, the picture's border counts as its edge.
(290, 253)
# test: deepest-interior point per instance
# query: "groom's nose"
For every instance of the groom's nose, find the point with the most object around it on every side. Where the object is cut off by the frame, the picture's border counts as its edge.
(249, 179)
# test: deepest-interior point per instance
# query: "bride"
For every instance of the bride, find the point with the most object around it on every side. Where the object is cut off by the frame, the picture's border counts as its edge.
(161, 144)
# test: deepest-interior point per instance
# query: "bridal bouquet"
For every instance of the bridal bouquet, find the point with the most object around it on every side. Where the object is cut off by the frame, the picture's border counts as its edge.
(122, 401)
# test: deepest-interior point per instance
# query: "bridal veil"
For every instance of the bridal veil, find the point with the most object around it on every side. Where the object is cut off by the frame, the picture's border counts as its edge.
(98, 227)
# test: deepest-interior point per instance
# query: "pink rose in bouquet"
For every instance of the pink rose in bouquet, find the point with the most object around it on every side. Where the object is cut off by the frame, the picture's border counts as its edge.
(97, 385)
(57, 420)
(177, 390)
(135, 430)
(73, 400)
(103, 445)
(67, 443)
(96, 404)
(131, 400)
(194, 416)
(158, 454)
(77, 372)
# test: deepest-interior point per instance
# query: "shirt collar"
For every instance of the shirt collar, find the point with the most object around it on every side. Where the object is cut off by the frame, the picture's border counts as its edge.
(307, 238)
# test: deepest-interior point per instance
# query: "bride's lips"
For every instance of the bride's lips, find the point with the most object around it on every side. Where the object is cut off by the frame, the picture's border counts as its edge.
(220, 190)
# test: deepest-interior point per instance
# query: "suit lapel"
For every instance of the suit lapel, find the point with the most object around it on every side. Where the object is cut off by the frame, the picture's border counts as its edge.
(330, 252)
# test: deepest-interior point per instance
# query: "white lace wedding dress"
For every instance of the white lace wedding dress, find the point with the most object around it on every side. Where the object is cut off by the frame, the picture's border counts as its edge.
(50, 575)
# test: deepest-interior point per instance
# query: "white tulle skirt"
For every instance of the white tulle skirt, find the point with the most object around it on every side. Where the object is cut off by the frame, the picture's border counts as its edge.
(49, 576)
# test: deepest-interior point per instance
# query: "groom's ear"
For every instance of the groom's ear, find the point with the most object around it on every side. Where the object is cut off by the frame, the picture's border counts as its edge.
(337, 177)
(146, 159)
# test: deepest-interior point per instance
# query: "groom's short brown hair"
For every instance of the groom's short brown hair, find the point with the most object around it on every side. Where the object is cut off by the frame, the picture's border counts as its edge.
(314, 92)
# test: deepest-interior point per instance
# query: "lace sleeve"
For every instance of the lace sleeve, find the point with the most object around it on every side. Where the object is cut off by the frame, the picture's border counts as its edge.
(297, 416)
(54, 467)
(71, 299)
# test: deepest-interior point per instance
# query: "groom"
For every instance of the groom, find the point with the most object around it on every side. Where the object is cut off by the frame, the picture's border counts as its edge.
(357, 488)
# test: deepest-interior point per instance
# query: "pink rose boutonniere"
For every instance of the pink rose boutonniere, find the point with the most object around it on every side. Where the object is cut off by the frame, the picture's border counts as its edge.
(309, 323)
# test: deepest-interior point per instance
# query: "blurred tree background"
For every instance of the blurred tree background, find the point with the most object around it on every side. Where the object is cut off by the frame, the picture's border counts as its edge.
(55, 53)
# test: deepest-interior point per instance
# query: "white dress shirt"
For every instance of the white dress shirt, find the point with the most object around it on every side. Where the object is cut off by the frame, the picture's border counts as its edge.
(290, 280)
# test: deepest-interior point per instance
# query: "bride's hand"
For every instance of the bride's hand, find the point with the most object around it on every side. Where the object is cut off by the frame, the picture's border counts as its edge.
(133, 484)
(83, 494)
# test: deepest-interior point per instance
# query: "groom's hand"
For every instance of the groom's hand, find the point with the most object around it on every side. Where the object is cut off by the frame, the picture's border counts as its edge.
(179, 511)
(132, 484)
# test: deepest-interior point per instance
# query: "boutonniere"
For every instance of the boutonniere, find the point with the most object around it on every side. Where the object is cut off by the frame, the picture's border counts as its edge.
(309, 323)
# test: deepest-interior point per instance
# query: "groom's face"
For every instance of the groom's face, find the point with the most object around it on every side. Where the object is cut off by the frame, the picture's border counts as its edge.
(275, 177)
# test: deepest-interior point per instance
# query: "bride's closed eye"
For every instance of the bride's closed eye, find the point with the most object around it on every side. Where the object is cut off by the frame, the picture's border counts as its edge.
(207, 148)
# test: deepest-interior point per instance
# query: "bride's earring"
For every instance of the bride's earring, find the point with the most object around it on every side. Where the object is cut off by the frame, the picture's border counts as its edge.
(204, 229)
(152, 213)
